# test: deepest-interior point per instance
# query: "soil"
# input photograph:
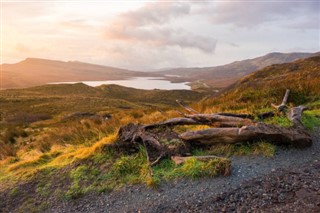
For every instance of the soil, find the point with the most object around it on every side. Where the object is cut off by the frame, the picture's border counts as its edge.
(289, 182)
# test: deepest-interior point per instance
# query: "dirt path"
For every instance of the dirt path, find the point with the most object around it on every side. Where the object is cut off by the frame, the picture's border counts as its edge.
(292, 172)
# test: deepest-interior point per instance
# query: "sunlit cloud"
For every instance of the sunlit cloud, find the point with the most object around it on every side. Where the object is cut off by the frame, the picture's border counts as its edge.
(153, 34)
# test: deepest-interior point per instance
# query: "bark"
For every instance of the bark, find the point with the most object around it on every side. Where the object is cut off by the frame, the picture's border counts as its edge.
(222, 120)
(159, 139)
(283, 105)
(295, 115)
(278, 135)
(158, 143)
(279, 108)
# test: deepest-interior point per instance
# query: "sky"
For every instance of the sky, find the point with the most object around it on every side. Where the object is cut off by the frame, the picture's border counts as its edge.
(150, 35)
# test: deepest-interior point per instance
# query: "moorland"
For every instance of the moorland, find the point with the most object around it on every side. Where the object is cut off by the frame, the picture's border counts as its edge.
(54, 138)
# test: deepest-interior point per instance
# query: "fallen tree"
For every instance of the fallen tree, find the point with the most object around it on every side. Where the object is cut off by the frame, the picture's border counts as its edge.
(160, 139)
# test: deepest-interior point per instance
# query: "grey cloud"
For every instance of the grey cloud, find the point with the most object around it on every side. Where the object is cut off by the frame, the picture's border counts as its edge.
(155, 13)
(148, 25)
(254, 13)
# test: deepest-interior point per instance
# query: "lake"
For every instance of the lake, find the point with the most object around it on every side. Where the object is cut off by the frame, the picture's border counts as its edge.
(147, 83)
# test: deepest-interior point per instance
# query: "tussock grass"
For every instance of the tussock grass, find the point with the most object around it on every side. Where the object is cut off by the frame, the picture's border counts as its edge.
(258, 148)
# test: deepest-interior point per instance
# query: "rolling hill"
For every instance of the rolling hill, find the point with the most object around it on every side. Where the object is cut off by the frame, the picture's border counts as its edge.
(222, 76)
(35, 72)
(263, 87)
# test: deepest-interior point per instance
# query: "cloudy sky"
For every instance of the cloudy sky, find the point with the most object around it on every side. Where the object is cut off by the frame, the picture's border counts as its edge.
(146, 35)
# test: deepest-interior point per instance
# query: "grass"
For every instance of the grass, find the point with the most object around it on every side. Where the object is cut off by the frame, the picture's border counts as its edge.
(192, 168)
(261, 148)
(41, 142)
(311, 119)
(279, 120)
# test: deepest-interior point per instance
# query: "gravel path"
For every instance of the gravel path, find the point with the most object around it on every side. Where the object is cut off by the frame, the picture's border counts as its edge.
(248, 174)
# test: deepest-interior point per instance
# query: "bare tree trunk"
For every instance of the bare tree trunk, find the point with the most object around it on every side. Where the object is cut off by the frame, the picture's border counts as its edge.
(159, 139)
(278, 135)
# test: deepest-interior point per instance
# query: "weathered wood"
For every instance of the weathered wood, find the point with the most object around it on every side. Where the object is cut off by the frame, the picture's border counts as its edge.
(161, 142)
(295, 115)
(283, 105)
(157, 142)
(203, 119)
(210, 119)
(260, 131)
(249, 116)
(279, 108)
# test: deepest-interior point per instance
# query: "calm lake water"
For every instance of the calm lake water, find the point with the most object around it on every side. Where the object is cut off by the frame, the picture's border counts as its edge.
(147, 83)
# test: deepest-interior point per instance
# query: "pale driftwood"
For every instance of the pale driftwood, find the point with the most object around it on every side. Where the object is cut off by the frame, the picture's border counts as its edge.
(278, 135)
(283, 105)
(203, 119)
(179, 160)
(164, 141)
(295, 115)
(249, 116)
(210, 119)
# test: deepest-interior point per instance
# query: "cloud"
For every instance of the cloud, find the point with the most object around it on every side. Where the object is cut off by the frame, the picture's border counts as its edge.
(154, 13)
(254, 13)
(150, 25)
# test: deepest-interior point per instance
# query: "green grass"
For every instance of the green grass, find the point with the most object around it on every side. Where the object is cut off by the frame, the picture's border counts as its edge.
(260, 148)
(281, 120)
(192, 168)
(311, 119)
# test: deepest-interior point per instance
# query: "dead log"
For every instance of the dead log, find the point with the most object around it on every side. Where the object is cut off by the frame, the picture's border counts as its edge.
(160, 140)
(297, 137)
(203, 119)
(158, 143)
(283, 105)
(249, 116)
(223, 120)
(279, 108)
(295, 115)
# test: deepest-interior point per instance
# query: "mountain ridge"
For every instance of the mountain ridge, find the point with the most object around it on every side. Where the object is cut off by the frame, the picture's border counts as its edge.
(225, 75)
(37, 71)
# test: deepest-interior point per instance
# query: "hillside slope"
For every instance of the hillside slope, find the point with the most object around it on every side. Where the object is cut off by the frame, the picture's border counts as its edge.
(268, 85)
(34, 72)
(222, 76)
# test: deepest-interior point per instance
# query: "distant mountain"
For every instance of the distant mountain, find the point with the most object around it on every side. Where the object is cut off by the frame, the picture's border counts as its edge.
(222, 76)
(34, 71)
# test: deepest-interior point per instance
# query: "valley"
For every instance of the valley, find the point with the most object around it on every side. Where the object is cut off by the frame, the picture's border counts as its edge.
(54, 138)
(36, 71)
